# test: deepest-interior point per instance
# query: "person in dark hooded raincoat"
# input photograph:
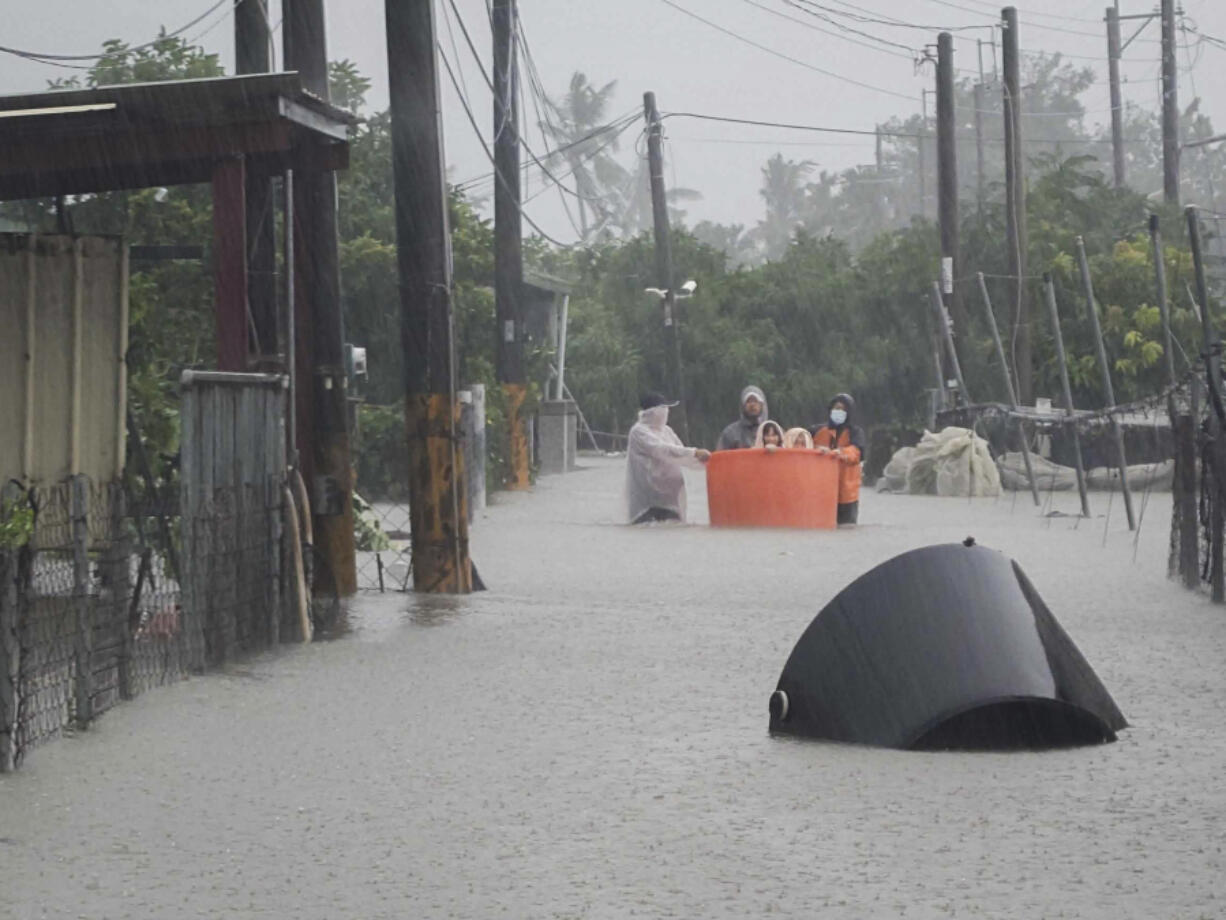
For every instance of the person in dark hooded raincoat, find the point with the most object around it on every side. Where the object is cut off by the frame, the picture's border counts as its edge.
(744, 431)
(840, 435)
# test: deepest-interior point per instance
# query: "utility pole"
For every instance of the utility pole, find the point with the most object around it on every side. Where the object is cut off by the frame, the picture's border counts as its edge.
(921, 157)
(1015, 205)
(252, 44)
(321, 389)
(508, 237)
(980, 183)
(1117, 110)
(947, 180)
(664, 259)
(438, 513)
(1170, 107)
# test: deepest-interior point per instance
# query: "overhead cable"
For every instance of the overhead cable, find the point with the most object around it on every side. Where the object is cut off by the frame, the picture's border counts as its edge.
(780, 54)
(50, 58)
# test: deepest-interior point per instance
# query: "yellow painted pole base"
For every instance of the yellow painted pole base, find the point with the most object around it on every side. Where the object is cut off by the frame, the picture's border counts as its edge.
(517, 429)
(438, 497)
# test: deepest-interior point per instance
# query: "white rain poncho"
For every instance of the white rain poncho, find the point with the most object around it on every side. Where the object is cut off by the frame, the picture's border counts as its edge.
(654, 460)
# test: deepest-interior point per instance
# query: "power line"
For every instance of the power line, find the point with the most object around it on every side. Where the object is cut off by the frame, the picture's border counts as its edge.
(910, 53)
(780, 54)
(50, 58)
(472, 120)
(873, 17)
(867, 133)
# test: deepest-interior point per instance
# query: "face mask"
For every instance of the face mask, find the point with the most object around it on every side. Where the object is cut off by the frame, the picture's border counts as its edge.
(838, 416)
(656, 417)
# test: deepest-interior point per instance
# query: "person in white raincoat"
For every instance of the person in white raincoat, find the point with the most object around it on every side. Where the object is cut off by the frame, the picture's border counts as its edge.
(655, 456)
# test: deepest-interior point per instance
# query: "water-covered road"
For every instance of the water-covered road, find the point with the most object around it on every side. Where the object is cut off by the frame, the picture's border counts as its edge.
(588, 739)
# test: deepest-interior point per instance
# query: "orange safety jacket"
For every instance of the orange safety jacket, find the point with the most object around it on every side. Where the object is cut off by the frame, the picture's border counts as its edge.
(839, 439)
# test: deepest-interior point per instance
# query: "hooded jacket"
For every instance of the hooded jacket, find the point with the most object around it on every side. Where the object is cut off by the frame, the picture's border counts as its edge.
(744, 431)
(654, 460)
(760, 437)
(848, 440)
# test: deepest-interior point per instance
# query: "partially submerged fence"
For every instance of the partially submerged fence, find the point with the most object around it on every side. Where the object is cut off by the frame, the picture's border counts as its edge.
(92, 614)
(106, 591)
(1193, 403)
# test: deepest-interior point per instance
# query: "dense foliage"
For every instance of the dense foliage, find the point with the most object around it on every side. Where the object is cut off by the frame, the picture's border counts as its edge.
(829, 291)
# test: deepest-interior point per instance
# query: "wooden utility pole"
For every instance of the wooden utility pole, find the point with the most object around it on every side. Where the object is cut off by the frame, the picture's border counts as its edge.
(508, 237)
(664, 259)
(1049, 289)
(1117, 432)
(1015, 206)
(947, 180)
(1170, 106)
(1117, 108)
(321, 381)
(252, 44)
(438, 513)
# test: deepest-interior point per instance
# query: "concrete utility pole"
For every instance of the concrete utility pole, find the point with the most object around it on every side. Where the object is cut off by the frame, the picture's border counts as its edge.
(438, 512)
(252, 47)
(980, 180)
(1015, 206)
(947, 178)
(664, 259)
(921, 156)
(1170, 106)
(1117, 109)
(321, 383)
(508, 236)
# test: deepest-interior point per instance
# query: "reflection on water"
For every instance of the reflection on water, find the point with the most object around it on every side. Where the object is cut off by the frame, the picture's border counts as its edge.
(377, 616)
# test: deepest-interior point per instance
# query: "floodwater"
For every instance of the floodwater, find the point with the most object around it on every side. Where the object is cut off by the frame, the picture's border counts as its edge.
(588, 740)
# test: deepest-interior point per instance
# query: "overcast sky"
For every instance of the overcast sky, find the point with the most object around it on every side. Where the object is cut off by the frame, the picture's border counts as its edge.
(691, 65)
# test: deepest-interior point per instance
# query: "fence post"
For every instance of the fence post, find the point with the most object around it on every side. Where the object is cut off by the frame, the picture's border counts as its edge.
(276, 568)
(1050, 289)
(121, 588)
(1188, 558)
(84, 641)
(10, 659)
(1215, 456)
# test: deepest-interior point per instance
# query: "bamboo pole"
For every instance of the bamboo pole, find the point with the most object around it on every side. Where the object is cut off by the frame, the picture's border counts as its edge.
(1004, 370)
(1117, 430)
(1050, 290)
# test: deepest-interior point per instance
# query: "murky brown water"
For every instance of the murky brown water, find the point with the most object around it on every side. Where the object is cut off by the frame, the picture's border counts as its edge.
(588, 739)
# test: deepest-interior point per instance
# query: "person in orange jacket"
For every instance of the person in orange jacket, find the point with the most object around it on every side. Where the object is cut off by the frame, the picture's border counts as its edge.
(840, 436)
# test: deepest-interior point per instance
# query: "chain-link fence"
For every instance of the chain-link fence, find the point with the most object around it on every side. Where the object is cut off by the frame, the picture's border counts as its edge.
(94, 611)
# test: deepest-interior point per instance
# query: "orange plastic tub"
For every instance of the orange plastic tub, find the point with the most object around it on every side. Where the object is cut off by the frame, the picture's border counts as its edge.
(780, 488)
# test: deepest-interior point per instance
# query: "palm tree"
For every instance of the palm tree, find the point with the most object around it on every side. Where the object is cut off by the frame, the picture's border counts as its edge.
(573, 124)
(783, 189)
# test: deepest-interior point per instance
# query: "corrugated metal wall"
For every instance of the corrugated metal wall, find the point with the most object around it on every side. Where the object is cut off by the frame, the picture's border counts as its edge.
(232, 478)
(64, 316)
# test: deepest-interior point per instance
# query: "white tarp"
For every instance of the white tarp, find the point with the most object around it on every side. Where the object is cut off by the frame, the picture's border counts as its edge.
(1052, 477)
(953, 461)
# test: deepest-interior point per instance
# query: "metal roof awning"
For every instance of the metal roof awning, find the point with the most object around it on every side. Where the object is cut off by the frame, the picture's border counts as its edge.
(173, 133)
